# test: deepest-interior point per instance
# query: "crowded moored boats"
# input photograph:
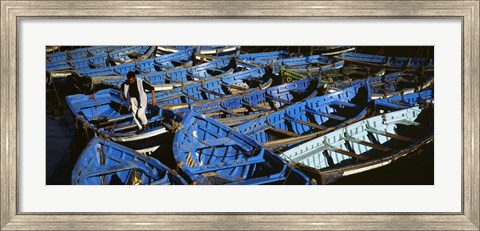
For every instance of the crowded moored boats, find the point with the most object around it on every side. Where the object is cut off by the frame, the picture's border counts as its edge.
(222, 115)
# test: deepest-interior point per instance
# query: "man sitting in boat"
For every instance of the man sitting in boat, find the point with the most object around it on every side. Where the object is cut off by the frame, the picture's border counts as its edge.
(133, 90)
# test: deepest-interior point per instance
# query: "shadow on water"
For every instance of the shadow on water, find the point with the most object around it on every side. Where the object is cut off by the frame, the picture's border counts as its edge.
(63, 143)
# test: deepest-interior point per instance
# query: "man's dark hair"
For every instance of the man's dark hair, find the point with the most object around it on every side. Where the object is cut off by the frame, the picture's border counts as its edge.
(131, 74)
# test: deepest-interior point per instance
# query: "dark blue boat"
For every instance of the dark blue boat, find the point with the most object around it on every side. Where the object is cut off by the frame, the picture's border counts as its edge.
(237, 109)
(80, 53)
(88, 79)
(168, 61)
(126, 54)
(105, 114)
(158, 80)
(104, 162)
(398, 102)
(310, 118)
(214, 87)
(309, 62)
(59, 56)
(208, 152)
(399, 62)
(204, 50)
(388, 85)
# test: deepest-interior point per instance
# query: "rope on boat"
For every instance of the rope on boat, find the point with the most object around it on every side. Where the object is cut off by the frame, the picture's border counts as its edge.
(119, 110)
(85, 129)
(76, 120)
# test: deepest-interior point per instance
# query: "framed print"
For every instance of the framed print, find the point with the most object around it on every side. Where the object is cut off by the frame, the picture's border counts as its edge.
(132, 39)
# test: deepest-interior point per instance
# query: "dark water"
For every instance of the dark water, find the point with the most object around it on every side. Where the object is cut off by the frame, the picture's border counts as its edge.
(65, 143)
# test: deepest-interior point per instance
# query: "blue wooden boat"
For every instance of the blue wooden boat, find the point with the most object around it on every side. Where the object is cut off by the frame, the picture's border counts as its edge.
(238, 109)
(208, 152)
(265, 57)
(169, 61)
(388, 85)
(398, 102)
(97, 50)
(398, 62)
(100, 64)
(309, 119)
(203, 50)
(160, 79)
(80, 53)
(346, 73)
(126, 54)
(58, 56)
(88, 79)
(312, 61)
(336, 50)
(104, 114)
(215, 88)
(104, 162)
(97, 61)
(365, 145)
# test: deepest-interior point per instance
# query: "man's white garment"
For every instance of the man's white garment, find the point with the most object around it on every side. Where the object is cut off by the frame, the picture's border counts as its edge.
(138, 108)
(138, 113)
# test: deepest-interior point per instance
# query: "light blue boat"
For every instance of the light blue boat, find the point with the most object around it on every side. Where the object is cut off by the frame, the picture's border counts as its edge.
(364, 145)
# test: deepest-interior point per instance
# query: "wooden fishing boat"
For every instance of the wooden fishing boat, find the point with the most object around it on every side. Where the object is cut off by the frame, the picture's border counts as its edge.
(208, 152)
(310, 118)
(365, 145)
(308, 62)
(204, 50)
(265, 57)
(237, 109)
(168, 61)
(253, 60)
(386, 61)
(350, 72)
(104, 162)
(213, 87)
(398, 102)
(130, 54)
(88, 79)
(393, 85)
(388, 85)
(290, 74)
(104, 114)
(167, 79)
(80, 53)
(102, 66)
(336, 50)
(97, 61)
